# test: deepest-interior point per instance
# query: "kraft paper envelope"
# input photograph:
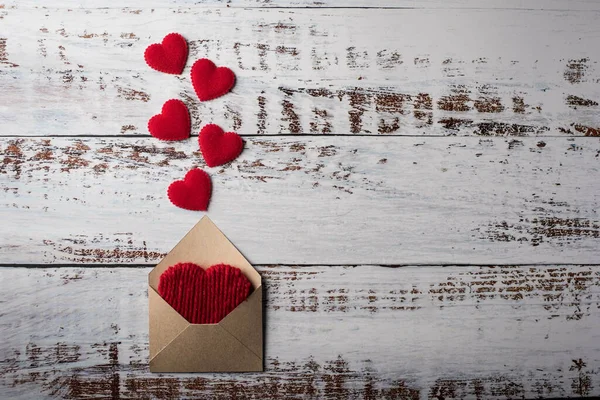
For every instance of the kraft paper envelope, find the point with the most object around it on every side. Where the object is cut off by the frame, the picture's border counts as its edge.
(235, 344)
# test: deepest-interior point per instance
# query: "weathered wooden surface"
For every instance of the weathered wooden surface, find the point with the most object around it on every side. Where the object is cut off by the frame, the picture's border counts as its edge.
(307, 71)
(547, 5)
(365, 332)
(376, 88)
(308, 200)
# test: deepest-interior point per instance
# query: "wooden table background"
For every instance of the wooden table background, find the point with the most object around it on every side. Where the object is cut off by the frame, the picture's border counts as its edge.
(419, 189)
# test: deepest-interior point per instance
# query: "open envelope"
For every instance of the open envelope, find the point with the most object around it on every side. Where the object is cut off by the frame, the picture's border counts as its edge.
(235, 344)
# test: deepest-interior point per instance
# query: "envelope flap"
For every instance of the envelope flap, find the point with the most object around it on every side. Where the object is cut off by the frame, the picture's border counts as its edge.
(245, 322)
(205, 245)
(205, 348)
(165, 323)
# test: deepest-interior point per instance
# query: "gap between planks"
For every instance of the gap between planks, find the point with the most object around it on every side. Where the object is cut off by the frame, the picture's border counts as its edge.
(319, 8)
(391, 266)
(303, 135)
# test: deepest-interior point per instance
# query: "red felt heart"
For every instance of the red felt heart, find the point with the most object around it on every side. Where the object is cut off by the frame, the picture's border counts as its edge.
(203, 296)
(169, 56)
(209, 81)
(219, 147)
(173, 123)
(193, 192)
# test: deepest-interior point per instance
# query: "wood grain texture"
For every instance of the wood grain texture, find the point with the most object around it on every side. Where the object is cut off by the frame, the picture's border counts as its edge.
(308, 200)
(307, 71)
(379, 89)
(456, 332)
(548, 5)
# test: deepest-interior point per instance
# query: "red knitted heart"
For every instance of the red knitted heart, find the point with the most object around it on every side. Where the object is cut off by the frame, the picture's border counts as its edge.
(169, 56)
(218, 147)
(173, 123)
(203, 296)
(193, 192)
(209, 81)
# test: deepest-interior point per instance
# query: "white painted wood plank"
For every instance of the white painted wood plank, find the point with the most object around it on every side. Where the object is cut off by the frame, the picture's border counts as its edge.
(337, 71)
(332, 200)
(331, 332)
(582, 5)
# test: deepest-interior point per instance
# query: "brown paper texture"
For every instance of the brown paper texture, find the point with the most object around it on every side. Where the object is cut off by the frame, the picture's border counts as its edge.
(235, 344)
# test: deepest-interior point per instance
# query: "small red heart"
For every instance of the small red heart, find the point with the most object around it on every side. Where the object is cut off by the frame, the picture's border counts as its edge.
(173, 123)
(169, 56)
(219, 147)
(203, 296)
(193, 192)
(209, 81)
